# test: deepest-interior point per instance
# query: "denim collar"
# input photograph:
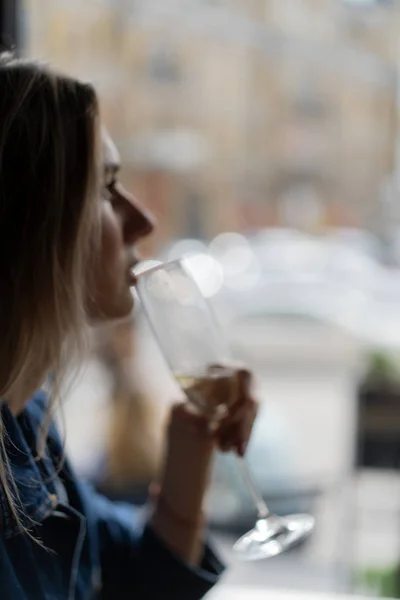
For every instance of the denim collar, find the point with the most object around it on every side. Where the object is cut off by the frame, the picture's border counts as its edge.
(34, 478)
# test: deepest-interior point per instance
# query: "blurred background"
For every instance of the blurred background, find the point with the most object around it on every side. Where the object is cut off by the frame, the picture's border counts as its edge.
(265, 137)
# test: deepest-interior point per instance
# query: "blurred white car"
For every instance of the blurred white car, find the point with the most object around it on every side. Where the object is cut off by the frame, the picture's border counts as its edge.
(292, 274)
(282, 272)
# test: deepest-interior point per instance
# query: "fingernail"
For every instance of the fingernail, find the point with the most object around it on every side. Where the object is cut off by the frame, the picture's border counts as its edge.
(243, 448)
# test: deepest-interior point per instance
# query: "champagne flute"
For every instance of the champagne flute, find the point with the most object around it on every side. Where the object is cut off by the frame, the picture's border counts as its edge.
(196, 351)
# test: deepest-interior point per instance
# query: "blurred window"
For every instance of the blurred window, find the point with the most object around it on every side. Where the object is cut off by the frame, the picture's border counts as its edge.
(368, 2)
(309, 105)
(163, 66)
(308, 101)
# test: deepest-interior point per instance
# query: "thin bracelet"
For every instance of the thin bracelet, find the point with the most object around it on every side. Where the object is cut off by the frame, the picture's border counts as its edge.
(163, 505)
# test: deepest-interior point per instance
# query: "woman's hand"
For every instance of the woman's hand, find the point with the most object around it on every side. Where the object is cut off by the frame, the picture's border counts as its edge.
(234, 430)
(191, 440)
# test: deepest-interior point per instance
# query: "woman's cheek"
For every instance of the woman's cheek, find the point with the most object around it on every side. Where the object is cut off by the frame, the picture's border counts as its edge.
(111, 252)
(107, 269)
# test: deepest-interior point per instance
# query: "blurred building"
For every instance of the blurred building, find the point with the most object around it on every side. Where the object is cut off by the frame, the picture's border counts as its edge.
(239, 114)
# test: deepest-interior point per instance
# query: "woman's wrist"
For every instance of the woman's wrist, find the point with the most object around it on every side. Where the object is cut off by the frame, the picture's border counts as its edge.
(177, 515)
(183, 536)
(188, 459)
(166, 511)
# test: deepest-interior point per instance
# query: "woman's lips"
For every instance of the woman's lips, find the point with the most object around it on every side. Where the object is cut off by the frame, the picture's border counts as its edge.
(132, 279)
(131, 275)
(140, 267)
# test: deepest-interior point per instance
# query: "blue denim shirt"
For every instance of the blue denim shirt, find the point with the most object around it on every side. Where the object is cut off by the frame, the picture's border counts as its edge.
(91, 547)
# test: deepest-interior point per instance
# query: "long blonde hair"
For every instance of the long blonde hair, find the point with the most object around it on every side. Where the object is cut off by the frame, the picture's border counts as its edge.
(48, 227)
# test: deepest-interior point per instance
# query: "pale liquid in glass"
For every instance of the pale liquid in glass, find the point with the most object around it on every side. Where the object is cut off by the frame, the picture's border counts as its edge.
(205, 391)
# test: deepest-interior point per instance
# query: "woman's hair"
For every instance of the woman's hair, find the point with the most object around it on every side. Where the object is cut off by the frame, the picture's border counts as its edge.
(48, 225)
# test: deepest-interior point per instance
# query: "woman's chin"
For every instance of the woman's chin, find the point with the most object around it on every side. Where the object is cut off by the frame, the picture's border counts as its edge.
(124, 308)
(121, 308)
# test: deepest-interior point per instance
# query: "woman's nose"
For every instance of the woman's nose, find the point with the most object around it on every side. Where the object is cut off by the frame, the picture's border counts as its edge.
(138, 222)
(141, 225)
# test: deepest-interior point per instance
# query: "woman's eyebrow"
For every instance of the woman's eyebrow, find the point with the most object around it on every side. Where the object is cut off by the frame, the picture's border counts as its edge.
(111, 168)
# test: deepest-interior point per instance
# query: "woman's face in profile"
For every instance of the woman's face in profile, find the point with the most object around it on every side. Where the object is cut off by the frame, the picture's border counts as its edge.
(123, 224)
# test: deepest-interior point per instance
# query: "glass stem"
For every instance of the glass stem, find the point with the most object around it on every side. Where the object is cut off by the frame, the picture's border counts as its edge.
(263, 511)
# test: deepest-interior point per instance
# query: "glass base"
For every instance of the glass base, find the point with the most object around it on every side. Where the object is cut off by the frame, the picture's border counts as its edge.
(273, 535)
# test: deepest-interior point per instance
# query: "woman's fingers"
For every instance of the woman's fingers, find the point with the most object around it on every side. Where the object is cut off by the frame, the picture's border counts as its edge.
(234, 433)
(234, 430)
(245, 380)
(231, 383)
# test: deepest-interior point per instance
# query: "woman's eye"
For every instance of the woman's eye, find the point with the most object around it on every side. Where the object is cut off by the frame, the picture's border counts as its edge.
(108, 189)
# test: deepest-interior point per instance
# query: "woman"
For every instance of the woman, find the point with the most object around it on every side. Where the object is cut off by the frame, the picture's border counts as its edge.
(68, 231)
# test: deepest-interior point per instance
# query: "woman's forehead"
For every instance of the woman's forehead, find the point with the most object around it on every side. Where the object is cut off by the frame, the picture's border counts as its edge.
(110, 153)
